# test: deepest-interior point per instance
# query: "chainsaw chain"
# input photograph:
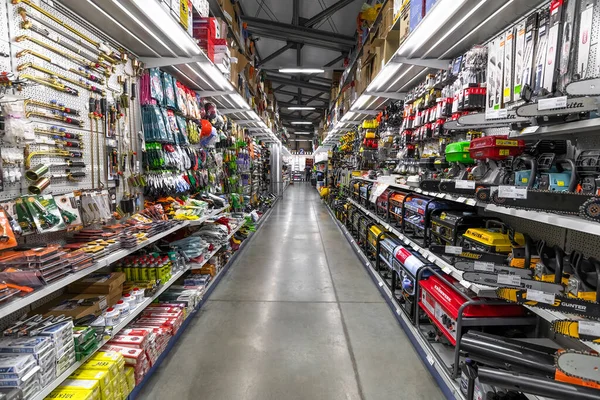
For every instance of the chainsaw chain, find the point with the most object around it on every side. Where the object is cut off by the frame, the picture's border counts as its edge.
(570, 328)
(581, 353)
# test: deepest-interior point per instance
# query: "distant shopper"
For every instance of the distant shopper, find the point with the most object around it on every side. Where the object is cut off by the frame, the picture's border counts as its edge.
(307, 174)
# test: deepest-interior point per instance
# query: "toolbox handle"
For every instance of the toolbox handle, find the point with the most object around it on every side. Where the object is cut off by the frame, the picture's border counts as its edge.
(560, 260)
(533, 166)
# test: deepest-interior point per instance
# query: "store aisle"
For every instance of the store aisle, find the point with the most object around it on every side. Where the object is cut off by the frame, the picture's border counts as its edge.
(296, 317)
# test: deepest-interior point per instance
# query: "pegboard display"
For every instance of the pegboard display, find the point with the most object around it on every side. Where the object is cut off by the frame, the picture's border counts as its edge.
(35, 52)
(5, 64)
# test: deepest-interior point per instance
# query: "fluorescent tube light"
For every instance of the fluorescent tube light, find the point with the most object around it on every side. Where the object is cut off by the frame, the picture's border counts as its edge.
(153, 10)
(439, 15)
(301, 108)
(301, 123)
(302, 133)
(301, 70)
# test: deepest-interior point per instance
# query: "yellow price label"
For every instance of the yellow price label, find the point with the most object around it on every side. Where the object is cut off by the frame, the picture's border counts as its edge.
(525, 180)
(510, 143)
(184, 13)
(504, 152)
(560, 183)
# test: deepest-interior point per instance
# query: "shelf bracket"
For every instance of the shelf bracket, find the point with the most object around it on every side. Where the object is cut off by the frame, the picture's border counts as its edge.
(388, 95)
(227, 111)
(424, 62)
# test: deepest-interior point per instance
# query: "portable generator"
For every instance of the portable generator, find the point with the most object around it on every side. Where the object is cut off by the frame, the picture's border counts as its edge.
(374, 235)
(417, 211)
(382, 204)
(387, 248)
(396, 204)
(365, 192)
(441, 303)
(407, 265)
(356, 190)
(447, 226)
(494, 238)
(364, 226)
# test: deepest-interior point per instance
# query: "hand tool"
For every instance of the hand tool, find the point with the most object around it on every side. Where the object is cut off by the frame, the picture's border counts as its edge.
(66, 120)
(52, 106)
(61, 143)
(98, 45)
(80, 83)
(56, 132)
(79, 60)
(111, 58)
(101, 111)
(43, 32)
(38, 171)
(81, 71)
(58, 153)
(49, 218)
(51, 83)
(92, 108)
(13, 223)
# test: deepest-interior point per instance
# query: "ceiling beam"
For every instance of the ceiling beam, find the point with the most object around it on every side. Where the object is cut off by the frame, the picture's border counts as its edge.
(307, 96)
(328, 12)
(299, 34)
(284, 104)
(297, 83)
(276, 53)
(335, 61)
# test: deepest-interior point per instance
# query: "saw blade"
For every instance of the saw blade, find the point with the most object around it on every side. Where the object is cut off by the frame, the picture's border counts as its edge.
(587, 331)
(557, 202)
(501, 280)
(470, 266)
(430, 185)
(580, 365)
(469, 254)
(450, 187)
(568, 305)
(575, 105)
(584, 87)
(479, 120)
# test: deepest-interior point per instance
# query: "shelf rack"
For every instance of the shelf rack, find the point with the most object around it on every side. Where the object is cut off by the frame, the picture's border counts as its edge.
(448, 29)
(122, 324)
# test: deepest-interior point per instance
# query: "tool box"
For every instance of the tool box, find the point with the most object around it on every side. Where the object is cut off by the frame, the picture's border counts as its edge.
(495, 148)
(442, 304)
(493, 238)
(447, 226)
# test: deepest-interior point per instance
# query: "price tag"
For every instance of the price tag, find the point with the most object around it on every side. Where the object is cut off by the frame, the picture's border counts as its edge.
(589, 328)
(510, 280)
(461, 199)
(552, 103)
(430, 359)
(465, 284)
(456, 250)
(464, 184)
(471, 202)
(542, 297)
(530, 129)
(483, 266)
(512, 192)
(380, 284)
(447, 270)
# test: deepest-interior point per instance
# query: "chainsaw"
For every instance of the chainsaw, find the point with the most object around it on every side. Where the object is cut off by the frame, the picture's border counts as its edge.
(587, 331)
(576, 108)
(582, 365)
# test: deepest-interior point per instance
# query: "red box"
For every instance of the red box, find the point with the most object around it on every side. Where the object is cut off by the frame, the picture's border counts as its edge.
(495, 148)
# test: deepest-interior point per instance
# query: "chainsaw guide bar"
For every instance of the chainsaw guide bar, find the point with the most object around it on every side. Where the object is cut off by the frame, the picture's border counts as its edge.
(568, 305)
(580, 365)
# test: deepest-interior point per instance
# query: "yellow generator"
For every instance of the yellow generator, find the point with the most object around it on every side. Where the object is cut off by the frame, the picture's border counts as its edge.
(494, 238)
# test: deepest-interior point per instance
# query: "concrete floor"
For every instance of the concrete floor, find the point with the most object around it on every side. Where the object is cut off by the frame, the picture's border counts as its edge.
(296, 317)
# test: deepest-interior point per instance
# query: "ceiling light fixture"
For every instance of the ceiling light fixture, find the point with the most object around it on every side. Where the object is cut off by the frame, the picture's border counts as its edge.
(301, 70)
(301, 123)
(303, 133)
(301, 108)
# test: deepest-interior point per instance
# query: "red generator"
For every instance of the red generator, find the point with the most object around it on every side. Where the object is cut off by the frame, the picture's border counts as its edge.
(381, 206)
(453, 313)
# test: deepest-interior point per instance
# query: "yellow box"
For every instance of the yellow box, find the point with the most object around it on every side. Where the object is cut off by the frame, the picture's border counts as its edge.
(125, 388)
(103, 377)
(110, 366)
(111, 356)
(130, 375)
(62, 393)
(83, 384)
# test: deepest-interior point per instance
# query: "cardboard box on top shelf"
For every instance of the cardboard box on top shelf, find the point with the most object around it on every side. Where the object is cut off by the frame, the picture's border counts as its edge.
(387, 19)
(404, 20)
(389, 47)
(78, 305)
(396, 7)
(103, 283)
